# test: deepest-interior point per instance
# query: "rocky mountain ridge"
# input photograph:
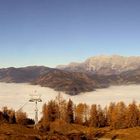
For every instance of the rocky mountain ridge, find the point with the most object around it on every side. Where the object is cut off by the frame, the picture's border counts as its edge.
(105, 65)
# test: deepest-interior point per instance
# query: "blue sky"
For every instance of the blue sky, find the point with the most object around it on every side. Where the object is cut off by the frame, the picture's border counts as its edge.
(53, 32)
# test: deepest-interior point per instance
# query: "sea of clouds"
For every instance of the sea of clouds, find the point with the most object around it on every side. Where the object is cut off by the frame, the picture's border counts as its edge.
(17, 96)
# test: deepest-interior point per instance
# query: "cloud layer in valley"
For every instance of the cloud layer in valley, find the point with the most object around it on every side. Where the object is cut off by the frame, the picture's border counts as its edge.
(16, 95)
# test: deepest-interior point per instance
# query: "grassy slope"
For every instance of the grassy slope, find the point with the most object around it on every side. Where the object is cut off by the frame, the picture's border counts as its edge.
(61, 131)
(125, 134)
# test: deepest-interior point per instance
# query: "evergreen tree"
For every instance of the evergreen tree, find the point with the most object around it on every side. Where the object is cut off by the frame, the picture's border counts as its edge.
(70, 112)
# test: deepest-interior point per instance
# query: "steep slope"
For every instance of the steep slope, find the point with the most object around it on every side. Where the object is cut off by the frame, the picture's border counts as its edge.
(71, 82)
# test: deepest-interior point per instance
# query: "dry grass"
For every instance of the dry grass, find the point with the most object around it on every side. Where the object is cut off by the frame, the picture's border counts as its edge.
(17, 132)
(124, 134)
(60, 130)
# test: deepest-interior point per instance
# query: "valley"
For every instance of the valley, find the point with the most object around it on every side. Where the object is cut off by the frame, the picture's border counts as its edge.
(16, 95)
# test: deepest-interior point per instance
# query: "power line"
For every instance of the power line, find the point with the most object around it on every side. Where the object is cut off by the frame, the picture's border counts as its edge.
(22, 106)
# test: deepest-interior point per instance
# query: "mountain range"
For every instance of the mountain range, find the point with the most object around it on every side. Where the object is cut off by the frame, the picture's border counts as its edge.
(104, 65)
(75, 78)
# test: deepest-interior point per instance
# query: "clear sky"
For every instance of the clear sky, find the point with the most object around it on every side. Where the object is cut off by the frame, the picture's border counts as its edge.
(52, 32)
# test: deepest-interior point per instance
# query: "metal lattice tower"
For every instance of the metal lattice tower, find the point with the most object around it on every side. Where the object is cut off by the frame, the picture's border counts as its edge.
(35, 99)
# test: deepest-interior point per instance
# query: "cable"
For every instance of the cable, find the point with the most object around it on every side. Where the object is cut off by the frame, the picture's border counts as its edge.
(22, 106)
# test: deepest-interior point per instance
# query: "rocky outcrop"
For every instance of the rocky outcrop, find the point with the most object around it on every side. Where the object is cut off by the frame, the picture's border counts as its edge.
(105, 65)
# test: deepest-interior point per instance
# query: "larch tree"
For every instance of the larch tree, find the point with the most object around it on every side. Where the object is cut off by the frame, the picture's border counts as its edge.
(53, 111)
(9, 115)
(79, 113)
(70, 112)
(86, 114)
(12, 116)
(118, 116)
(21, 117)
(110, 113)
(132, 116)
(45, 118)
(101, 117)
(93, 121)
(62, 104)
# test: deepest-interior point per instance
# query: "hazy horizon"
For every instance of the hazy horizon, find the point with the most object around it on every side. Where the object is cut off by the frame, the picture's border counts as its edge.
(72, 61)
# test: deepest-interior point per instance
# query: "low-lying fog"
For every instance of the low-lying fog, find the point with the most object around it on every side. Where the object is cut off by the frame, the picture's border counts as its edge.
(16, 95)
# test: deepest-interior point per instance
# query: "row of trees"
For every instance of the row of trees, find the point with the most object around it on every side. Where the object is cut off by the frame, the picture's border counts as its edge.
(116, 115)
(12, 117)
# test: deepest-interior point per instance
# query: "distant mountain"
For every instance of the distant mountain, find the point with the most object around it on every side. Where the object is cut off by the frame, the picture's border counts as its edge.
(104, 65)
(74, 83)
(70, 82)
(22, 75)
(95, 72)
